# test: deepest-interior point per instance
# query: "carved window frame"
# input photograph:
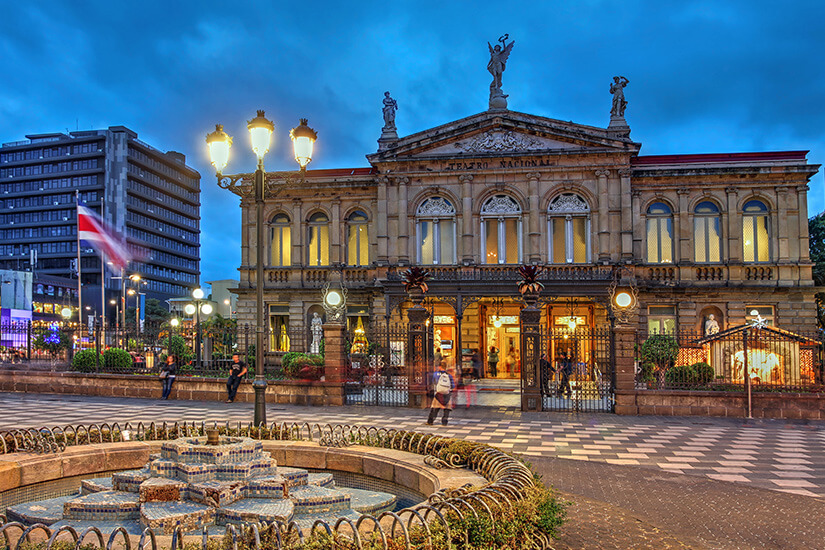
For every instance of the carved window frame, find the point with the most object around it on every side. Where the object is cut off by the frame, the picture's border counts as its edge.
(568, 206)
(501, 207)
(436, 210)
(358, 221)
(703, 219)
(277, 225)
(661, 222)
(754, 212)
(315, 223)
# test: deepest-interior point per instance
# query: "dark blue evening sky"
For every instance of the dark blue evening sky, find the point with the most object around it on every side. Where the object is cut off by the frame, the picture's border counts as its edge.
(704, 76)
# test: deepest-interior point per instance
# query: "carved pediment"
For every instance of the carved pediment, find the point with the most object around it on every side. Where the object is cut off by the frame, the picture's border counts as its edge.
(502, 134)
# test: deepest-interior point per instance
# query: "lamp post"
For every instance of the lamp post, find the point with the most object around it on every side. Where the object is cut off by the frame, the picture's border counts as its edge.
(173, 324)
(219, 142)
(196, 309)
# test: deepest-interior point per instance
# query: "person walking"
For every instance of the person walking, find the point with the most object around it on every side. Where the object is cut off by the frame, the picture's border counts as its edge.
(492, 361)
(443, 383)
(168, 372)
(566, 368)
(475, 361)
(237, 370)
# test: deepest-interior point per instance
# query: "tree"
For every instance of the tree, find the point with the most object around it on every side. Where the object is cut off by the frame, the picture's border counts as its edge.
(660, 351)
(816, 242)
(155, 312)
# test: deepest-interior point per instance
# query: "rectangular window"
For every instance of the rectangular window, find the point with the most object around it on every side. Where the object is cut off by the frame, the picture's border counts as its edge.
(579, 240)
(491, 241)
(279, 332)
(661, 319)
(558, 243)
(319, 245)
(446, 230)
(511, 241)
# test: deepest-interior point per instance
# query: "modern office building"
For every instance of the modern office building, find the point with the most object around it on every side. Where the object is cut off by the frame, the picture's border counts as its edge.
(150, 198)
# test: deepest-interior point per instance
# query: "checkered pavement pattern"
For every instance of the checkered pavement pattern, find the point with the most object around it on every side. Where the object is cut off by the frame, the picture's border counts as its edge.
(777, 455)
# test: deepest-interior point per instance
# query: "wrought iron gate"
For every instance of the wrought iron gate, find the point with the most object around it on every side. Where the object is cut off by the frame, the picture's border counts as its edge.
(577, 371)
(377, 370)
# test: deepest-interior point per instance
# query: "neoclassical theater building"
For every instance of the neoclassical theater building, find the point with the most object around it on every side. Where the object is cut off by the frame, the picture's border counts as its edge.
(721, 234)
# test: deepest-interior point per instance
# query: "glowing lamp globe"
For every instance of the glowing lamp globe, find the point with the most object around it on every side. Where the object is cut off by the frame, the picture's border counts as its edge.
(333, 298)
(197, 294)
(190, 309)
(623, 299)
(66, 312)
(206, 308)
(219, 143)
(303, 140)
(260, 131)
(174, 322)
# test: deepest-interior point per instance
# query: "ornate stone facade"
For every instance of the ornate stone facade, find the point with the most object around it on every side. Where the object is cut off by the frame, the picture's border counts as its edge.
(721, 234)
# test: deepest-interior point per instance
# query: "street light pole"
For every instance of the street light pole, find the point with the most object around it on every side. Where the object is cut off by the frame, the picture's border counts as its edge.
(219, 142)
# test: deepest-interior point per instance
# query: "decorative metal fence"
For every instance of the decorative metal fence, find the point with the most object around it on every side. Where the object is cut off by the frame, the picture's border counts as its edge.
(577, 370)
(762, 357)
(377, 372)
(205, 352)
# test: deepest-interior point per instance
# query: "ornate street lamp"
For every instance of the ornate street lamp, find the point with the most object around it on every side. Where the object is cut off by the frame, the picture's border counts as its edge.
(197, 308)
(262, 186)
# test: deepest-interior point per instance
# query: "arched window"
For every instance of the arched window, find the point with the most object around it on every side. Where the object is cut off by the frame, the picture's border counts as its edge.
(756, 244)
(501, 231)
(568, 228)
(358, 242)
(707, 233)
(318, 243)
(280, 237)
(659, 234)
(435, 231)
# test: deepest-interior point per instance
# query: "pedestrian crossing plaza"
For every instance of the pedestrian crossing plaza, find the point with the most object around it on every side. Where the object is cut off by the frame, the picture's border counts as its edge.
(785, 456)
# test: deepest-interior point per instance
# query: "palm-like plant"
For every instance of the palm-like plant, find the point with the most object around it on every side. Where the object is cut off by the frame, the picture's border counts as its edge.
(529, 282)
(416, 278)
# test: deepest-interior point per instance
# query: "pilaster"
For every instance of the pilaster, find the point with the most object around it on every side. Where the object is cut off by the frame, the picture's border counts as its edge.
(533, 221)
(603, 215)
(466, 253)
(382, 237)
(627, 214)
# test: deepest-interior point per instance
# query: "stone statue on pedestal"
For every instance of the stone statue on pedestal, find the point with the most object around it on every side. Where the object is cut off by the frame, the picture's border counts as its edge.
(619, 102)
(498, 62)
(390, 106)
(316, 327)
(711, 326)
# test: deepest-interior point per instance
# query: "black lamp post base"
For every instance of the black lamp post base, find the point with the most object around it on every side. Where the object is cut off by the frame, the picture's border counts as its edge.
(259, 385)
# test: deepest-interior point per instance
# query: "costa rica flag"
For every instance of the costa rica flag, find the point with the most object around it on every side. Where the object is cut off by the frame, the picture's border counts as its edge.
(96, 233)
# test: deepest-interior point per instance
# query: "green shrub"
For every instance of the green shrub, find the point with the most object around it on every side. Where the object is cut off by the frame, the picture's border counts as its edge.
(84, 360)
(647, 372)
(288, 358)
(704, 372)
(661, 350)
(680, 376)
(117, 359)
(302, 365)
(177, 346)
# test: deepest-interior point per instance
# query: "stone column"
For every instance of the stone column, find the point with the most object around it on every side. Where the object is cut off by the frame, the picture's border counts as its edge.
(624, 340)
(336, 231)
(403, 222)
(298, 233)
(628, 210)
(734, 226)
(804, 236)
(381, 222)
(534, 219)
(780, 224)
(467, 234)
(603, 215)
(335, 360)
(681, 230)
(392, 222)
(638, 226)
(417, 353)
(530, 319)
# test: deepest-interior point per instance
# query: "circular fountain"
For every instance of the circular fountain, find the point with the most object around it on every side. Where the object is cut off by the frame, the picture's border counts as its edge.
(198, 481)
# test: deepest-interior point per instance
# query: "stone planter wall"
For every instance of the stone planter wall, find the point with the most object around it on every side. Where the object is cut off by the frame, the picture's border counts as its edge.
(711, 403)
(295, 392)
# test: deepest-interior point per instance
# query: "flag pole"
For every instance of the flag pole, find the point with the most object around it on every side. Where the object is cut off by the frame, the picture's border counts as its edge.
(79, 281)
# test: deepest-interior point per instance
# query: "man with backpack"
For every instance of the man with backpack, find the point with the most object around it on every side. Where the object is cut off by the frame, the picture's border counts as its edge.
(443, 384)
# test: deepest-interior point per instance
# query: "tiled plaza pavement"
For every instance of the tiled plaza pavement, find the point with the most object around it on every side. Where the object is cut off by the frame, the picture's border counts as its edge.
(668, 482)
